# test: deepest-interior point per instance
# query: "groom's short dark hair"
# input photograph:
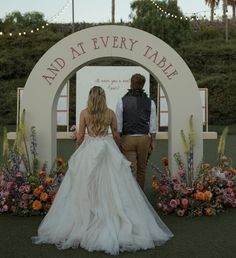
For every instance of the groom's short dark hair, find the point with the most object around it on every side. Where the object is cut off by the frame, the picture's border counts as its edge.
(137, 81)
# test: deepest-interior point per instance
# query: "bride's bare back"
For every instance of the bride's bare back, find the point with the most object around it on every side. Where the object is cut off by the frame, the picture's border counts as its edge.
(85, 124)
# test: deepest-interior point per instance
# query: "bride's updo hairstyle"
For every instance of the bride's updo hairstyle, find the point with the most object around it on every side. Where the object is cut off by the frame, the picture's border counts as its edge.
(97, 108)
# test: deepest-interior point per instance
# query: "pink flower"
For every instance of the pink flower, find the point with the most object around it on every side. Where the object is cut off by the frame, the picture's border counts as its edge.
(230, 183)
(18, 174)
(189, 190)
(181, 172)
(177, 187)
(180, 212)
(5, 207)
(27, 188)
(173, 203)
(25, 196)
(10, 185)
(22, 189)
(185, 191)
(184, 203)
(6, 193)
(22, 204)
(175, 179)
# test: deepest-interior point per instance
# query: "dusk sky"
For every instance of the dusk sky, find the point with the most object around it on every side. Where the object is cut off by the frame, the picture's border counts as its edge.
(91, 10)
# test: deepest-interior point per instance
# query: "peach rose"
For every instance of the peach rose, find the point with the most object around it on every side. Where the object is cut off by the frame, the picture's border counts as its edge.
(42, 173)
(36, 192)
(199, 196)
(48, 181)
(43, 196)
(36, 205)
(207, 196)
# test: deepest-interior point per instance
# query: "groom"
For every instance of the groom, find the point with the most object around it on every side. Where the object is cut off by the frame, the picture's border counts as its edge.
(136, 122)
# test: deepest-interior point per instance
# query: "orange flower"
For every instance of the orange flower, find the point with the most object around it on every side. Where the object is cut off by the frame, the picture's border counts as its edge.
(232, 171)
(199, 196)
(155, 186)
(154, 178)
(60, 162)
(36, 205)
(48, 181)
(206, 165)
(229, 190)
(207, 196)
(165, 161)
(43, 196)
(42, 173)
(208, 211)
(36, 192)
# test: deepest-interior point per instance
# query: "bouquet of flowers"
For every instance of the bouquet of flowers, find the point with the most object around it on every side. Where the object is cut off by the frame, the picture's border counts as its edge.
(24, 188)
(213, 190)
(210, 192)
(30, 195)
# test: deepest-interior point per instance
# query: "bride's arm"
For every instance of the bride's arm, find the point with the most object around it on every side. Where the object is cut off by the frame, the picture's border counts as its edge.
(115, 133)
(82, 125)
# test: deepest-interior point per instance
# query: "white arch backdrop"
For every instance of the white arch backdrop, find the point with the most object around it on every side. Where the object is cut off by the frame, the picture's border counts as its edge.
(56, 66)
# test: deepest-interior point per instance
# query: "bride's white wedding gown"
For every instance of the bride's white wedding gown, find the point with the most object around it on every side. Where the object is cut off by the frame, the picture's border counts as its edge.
(99, 205)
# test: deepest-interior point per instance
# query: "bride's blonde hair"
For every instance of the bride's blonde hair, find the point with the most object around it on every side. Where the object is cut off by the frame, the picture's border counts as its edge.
(97, 108)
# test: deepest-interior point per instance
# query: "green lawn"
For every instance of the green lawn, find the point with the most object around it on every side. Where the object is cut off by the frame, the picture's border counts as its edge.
(205, 237)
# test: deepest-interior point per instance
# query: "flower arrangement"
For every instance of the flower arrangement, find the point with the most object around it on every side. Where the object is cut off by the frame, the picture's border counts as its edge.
(24, 188)
(30, 195)
(213, 190)
(208, 193)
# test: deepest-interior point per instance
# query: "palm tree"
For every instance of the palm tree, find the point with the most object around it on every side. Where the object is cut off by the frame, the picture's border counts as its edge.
(233, 4)
(113, 11)
(212, 4)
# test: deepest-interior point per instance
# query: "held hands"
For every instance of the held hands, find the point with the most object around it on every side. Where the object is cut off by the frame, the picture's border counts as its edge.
(152, 146)
(152, 143)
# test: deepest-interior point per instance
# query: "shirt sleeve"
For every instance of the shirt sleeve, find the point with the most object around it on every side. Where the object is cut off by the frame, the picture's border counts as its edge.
(119, 115)
(153, 118)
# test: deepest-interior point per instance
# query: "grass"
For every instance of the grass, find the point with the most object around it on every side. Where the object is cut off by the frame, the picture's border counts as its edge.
(205, 237)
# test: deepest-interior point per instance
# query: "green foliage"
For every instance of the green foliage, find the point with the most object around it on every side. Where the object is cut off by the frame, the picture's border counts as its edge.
(221, 145)
(146, 17)
(214, 68)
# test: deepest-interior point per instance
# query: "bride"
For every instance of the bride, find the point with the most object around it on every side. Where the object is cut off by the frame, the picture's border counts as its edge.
(99, 205)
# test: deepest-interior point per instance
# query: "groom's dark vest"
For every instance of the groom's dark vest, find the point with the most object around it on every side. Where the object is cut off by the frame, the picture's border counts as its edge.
(136, 114)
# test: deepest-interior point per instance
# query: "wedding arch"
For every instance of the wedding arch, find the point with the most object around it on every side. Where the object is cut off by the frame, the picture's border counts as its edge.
(70, 54)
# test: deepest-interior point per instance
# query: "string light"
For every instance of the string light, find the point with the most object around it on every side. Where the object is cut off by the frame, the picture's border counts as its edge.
(24, 32)
(60, 12)
(193, 16)
(31, 31)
